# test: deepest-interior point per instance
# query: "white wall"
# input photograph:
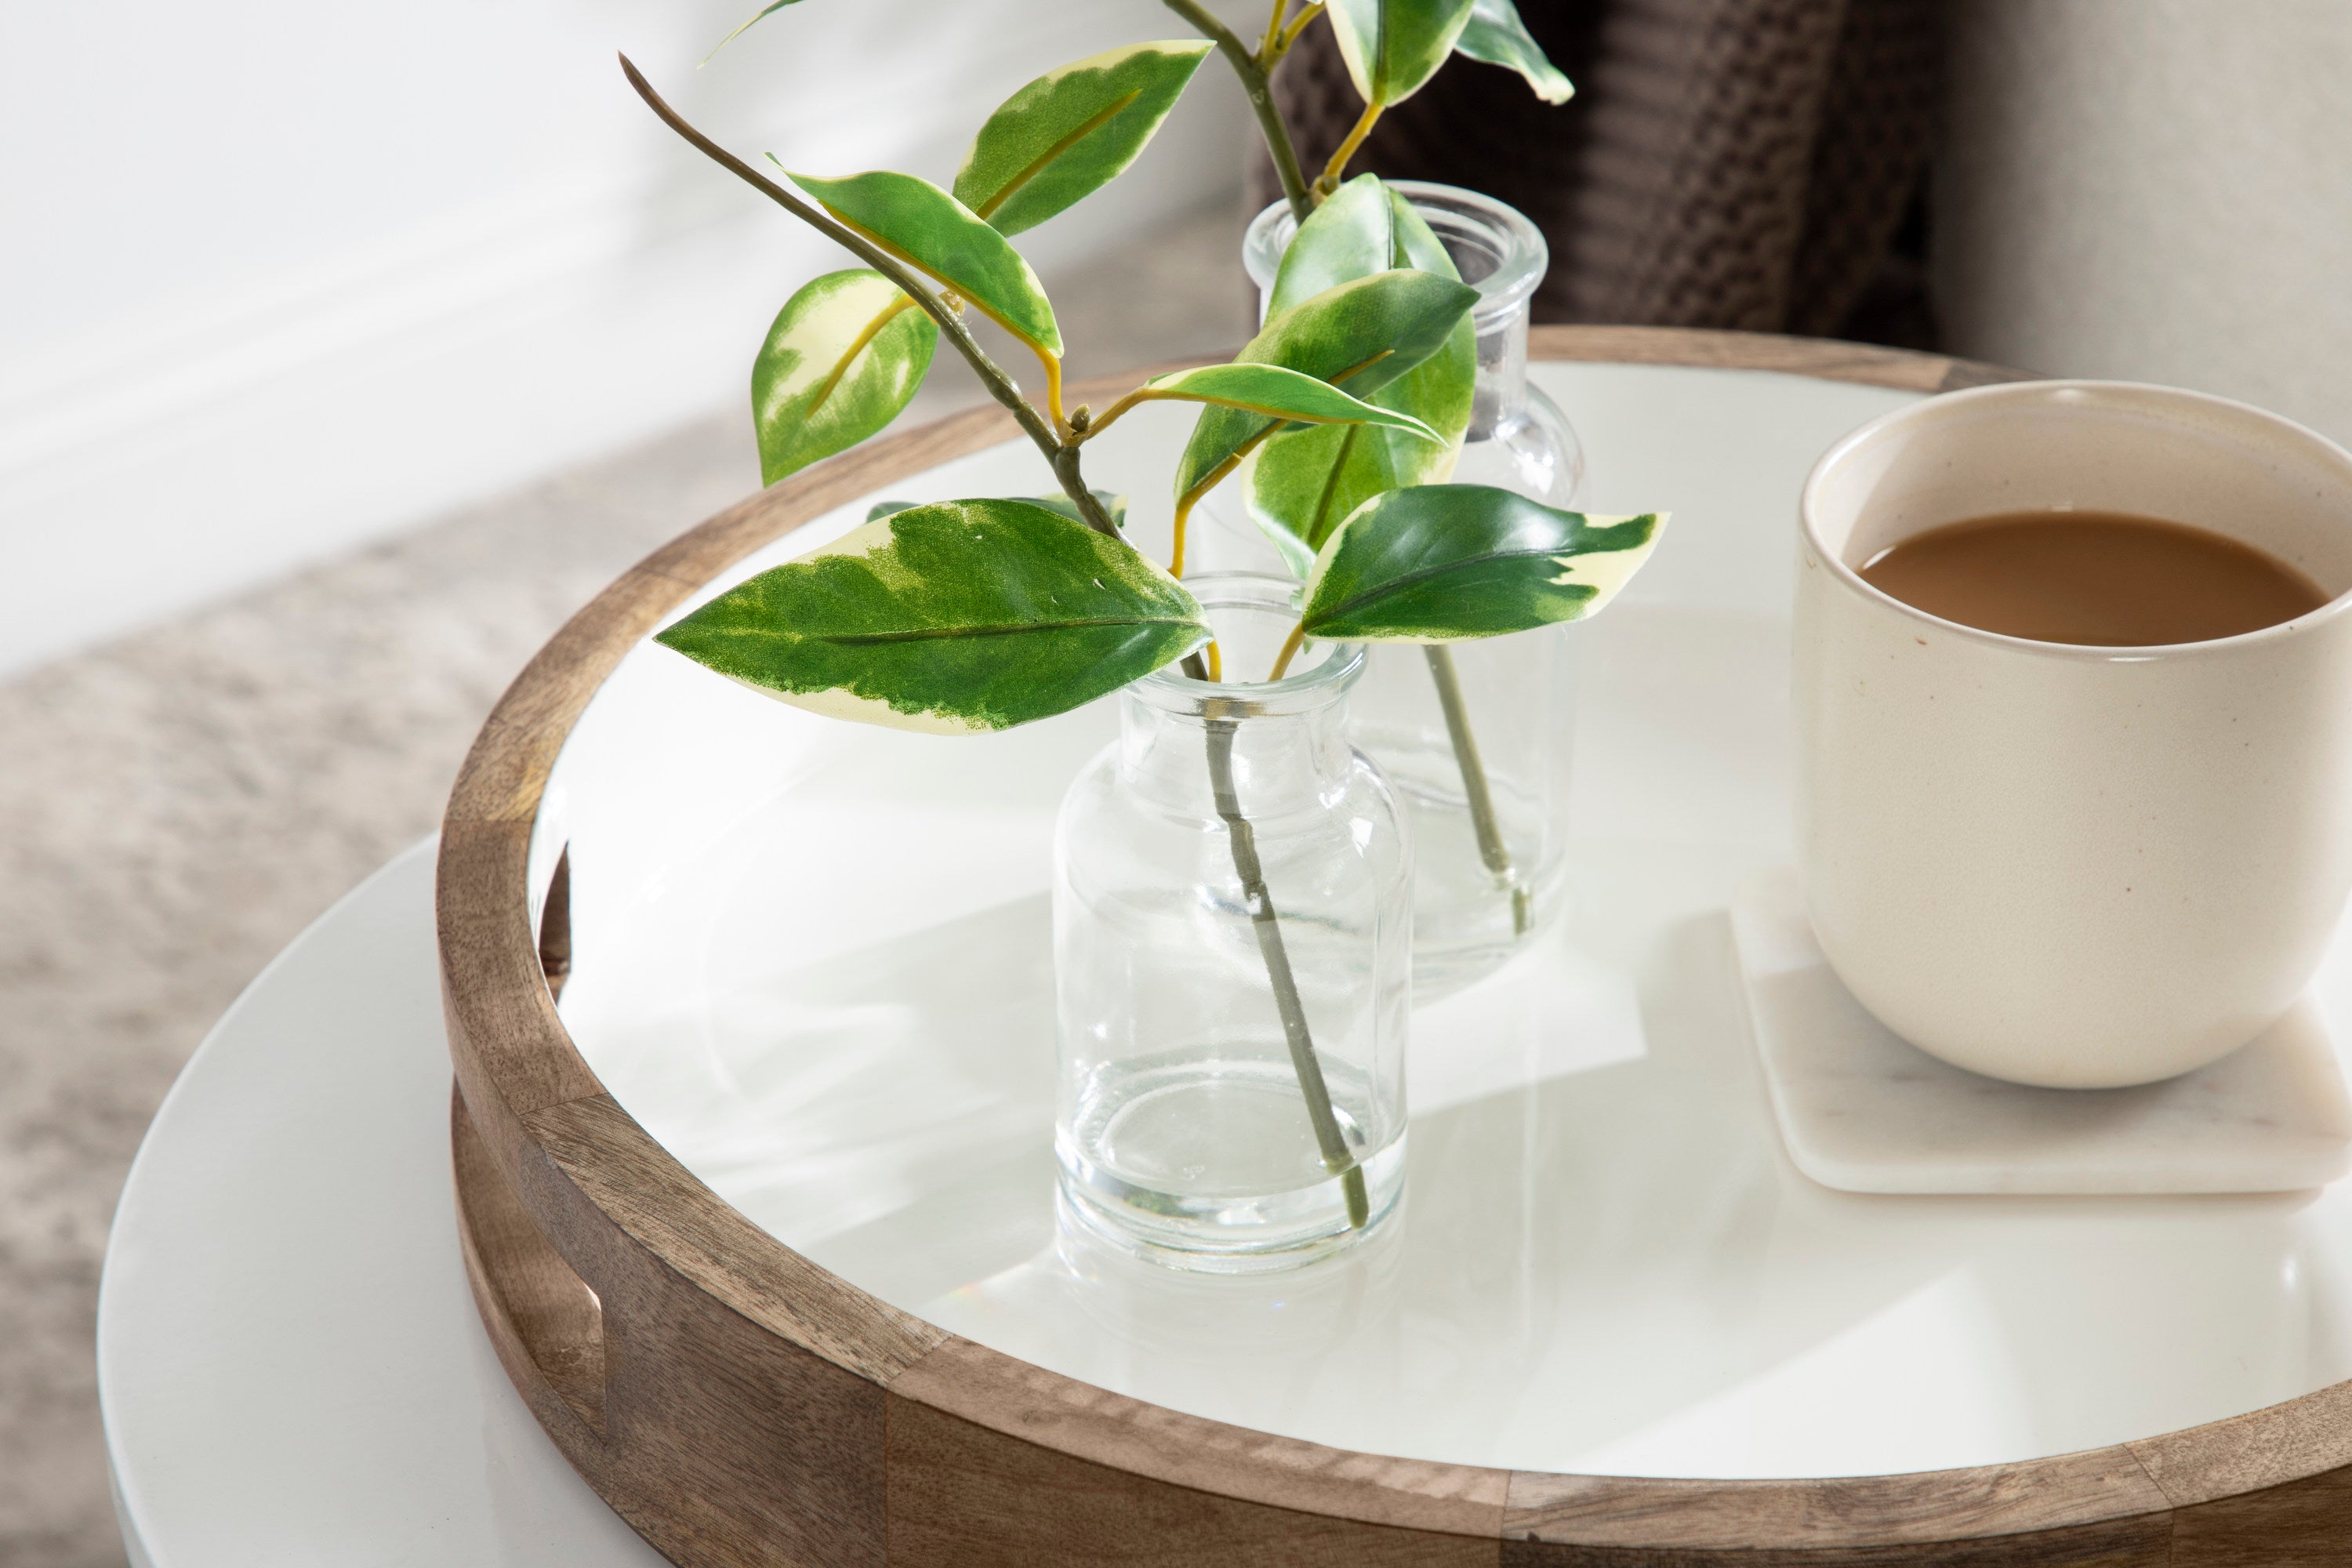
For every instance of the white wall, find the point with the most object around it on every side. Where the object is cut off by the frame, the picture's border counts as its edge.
(280, 275)
(2154, 190)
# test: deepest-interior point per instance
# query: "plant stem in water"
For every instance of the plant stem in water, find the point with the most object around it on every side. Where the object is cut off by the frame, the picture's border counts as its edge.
(1332, 1144)
(1492, 849)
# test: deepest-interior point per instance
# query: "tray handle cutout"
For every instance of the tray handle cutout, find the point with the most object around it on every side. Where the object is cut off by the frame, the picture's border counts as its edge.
(539, 1310)
(555, 927)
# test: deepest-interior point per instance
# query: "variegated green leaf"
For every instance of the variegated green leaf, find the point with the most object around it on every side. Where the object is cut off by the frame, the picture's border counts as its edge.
(1303, 483)
(1114, 506)
(1072, 130)
(846, 354)
(1452, 562)
(1392, 47)
(951, 617)
(1362, 228)
(1495, 34)
(928, 228)
(1362, 335)
(760, 15)
(1280, 393)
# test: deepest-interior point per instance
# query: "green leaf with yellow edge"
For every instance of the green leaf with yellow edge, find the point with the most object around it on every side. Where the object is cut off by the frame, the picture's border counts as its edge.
(1495, 34)
(843, 357)
(1362, 228)
(1072, 131)
(1303, 483)
(951, 617)
(931, 231)
(1454, 563)
(1361, 336)
(1394, 47)
(1279, 393)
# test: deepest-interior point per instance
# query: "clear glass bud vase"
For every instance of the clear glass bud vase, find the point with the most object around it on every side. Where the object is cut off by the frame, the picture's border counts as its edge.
(1232, 956)
(1476, 737)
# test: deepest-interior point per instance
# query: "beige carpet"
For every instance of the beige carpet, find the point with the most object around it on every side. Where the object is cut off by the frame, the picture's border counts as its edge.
(176, 806)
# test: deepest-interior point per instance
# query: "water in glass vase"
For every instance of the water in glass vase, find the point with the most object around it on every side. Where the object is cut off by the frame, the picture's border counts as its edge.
(1233, 933)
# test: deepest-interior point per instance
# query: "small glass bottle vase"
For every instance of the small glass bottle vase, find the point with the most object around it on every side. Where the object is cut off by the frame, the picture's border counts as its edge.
(1232, 954)
(1476, 737)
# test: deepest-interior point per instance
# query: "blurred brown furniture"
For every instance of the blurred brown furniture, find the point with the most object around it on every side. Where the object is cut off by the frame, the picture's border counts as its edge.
(1746, 163)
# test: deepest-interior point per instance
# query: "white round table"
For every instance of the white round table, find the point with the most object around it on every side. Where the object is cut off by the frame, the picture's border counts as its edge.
(292, 1370)
(290, 1367)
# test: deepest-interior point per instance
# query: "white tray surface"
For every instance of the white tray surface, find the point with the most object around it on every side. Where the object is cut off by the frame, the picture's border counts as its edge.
(813, 959)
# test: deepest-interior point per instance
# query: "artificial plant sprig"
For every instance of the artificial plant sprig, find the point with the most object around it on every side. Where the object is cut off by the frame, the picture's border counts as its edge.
(1303, 484)
(1000, 386)
(983, 614)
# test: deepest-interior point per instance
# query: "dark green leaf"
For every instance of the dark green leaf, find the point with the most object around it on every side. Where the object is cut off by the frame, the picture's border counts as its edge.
(1361, 336)
(1072, 130)
(1497, 35)
(922, 225)
(951, 617)
(1451, 562)
(846, 354)
(1392, 47)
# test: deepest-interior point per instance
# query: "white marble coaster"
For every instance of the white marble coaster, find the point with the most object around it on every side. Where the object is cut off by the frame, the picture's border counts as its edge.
(1866, 1111)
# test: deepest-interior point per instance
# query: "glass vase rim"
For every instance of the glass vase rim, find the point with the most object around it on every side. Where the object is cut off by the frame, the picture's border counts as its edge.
(1522, 254)
(1169, 690)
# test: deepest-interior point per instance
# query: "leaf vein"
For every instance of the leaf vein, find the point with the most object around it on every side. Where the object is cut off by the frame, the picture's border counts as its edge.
(1017, 628)
(1036, 167)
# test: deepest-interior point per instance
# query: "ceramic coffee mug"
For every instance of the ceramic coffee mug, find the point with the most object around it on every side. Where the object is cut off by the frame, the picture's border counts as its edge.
(2073, 867)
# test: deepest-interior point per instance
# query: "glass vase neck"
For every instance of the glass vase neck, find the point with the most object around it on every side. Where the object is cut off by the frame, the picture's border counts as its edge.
(1497, 251)
(1287, 737)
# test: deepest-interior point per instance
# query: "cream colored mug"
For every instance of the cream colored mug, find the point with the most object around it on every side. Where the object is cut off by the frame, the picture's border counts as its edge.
(2073, 867)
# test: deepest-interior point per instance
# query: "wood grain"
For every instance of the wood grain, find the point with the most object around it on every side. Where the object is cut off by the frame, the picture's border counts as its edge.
(1822, 359)
(2248, 1453)
(738, 1404)
(2143, 1543)
(961, 1496)
(1011, 1397)
(647, 1196)
(546, 1323)
(1862, 1511)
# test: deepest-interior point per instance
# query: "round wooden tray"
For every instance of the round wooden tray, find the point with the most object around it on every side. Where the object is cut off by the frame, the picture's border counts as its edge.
(738, 1404)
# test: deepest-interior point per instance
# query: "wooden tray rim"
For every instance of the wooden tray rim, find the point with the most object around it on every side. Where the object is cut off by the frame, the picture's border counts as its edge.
(534, 1097)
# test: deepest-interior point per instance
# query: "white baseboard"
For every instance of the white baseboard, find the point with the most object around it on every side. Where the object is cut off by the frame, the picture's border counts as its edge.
(175, 460)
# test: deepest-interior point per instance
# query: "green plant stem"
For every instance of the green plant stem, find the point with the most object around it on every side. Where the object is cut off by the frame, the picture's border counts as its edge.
(1338, 1158)
(1273, 31)
(1492, 848)
(1259, 86)
(1064, 457)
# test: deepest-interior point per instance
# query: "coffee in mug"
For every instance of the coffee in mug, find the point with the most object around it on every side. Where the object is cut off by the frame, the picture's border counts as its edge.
(2103, 579)
(2047, 856)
